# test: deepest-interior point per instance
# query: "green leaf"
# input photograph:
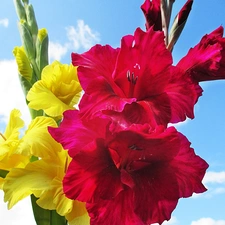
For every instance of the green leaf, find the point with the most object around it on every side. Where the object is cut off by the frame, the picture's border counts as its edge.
(46, 217)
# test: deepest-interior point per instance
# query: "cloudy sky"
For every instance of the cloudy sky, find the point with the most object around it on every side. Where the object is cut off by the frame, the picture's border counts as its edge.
(75, 26)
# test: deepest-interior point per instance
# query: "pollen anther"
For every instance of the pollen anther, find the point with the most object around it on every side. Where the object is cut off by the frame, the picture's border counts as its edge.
(131, 78)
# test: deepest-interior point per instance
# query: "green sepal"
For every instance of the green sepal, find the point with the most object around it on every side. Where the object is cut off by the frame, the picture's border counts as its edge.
(3, 173)
(44, 216)
(20, 10)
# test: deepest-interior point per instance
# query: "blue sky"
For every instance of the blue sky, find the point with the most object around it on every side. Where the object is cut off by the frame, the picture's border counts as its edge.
(76, 26)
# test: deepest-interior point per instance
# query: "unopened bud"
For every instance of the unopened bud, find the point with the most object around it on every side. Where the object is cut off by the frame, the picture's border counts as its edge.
(20, 10)
(27, 40)
(25, 1)
(31, 20)
(178, 24)
(42, 48)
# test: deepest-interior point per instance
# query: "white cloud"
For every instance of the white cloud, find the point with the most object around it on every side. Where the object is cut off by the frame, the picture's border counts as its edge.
(57, 51)
(20, 214)
(82, 36)
(79, 37)
(208, 221)
(214, 177)
(4, 22)
(11, 94)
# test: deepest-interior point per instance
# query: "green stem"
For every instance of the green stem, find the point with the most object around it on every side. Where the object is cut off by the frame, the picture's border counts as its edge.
(36, 69)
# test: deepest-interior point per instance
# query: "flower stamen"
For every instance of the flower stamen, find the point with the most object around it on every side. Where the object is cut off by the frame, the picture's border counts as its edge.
(135, 147)
(3, 136)
(131, 78)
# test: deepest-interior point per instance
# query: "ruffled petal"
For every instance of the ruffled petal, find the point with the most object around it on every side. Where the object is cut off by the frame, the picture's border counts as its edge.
(21, 183)
(92, 61)
(37, 141)
(206, 61)
(97, 171)
(183, 94)
(57, 91)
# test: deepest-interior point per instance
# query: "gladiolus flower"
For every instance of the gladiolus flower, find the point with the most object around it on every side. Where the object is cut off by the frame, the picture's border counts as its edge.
(206, 61)
(9, 142)
(43, 177)
(129, 176)
(137, 80)
(57, 91)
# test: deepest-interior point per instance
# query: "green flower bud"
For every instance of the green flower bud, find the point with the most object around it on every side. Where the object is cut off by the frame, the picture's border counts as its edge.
(31, 20)
(42, 48)
(25, 1)
(27, 40)
(20, 10)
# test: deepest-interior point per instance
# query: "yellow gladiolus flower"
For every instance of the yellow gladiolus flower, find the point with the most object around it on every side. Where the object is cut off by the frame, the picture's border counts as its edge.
(57, 91)
(23, 63)
(9, 142)
(43, 177)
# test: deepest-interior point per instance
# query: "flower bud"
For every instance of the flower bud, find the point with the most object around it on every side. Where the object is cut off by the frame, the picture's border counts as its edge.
(20, 10)
(178, 24)
(31, 20)
(42, 48)
(27, 39)
(25, 1)
(152, 13)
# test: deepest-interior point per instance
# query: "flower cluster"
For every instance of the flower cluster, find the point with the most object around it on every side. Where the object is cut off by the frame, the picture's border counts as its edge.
(116, 159)
(127, 164)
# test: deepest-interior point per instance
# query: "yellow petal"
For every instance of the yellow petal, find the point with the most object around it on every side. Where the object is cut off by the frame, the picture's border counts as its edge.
(55, 199)
(79, 215)
(20, 183)
(58, 90)
(9, 143)
(41, 97)
(13, 161)
(37, 141)
(23, 63)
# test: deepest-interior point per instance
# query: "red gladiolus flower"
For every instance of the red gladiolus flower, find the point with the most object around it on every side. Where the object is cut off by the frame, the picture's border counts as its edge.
(152, 12)
(206, 61)
(137, 81)
(128, 176)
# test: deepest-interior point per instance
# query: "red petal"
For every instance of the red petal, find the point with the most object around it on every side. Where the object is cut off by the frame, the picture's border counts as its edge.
(90, 174)
(183, 94)
(99, 61)
(206, 61)
(117, 211)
